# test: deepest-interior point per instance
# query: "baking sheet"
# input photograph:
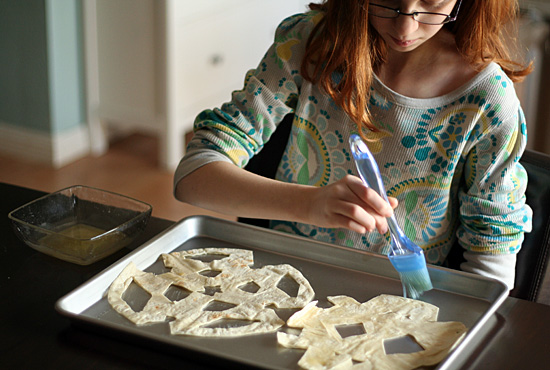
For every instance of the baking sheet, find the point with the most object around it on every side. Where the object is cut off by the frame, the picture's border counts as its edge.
(330, 269)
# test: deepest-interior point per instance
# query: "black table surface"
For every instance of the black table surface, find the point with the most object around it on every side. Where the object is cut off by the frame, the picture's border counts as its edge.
(33, 335)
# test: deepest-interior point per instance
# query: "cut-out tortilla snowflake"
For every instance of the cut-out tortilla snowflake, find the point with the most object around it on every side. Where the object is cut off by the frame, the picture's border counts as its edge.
(225, 296)
(383, 317)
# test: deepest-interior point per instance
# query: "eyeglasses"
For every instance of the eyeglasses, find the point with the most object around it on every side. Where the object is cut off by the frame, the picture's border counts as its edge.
(382, 11)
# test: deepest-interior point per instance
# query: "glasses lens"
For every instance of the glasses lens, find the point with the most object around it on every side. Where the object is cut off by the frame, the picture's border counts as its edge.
(382, 12)
(430, 18)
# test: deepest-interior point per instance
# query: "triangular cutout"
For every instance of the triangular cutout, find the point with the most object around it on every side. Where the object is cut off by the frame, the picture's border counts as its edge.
(176, 293)
(218, 306)
(288, 285)
(404, 344)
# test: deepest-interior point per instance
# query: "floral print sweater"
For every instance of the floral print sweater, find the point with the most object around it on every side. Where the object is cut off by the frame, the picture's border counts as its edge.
(451, 161)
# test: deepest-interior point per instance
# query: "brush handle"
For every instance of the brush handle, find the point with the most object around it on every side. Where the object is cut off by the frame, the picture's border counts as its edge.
(370, 174)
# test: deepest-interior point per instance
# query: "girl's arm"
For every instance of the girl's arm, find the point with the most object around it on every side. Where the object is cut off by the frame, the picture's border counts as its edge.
(494, 215)
(228, 189)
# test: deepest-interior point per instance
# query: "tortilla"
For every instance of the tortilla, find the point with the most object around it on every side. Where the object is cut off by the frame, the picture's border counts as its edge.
(217, 299)
(383, 317)
(216, 281)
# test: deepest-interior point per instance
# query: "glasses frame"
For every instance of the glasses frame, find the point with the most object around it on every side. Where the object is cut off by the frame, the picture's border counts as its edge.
(450, 17)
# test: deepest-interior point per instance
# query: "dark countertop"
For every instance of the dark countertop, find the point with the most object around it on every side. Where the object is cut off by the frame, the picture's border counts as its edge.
(34, 335)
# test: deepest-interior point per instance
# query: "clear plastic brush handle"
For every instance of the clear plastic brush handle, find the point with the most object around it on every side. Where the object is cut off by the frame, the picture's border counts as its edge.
(370, 174)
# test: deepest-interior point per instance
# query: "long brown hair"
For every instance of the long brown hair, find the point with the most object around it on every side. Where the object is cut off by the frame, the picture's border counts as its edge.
(344, 43)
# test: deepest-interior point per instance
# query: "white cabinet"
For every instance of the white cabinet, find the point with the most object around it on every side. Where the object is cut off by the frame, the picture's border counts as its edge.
(154, 65)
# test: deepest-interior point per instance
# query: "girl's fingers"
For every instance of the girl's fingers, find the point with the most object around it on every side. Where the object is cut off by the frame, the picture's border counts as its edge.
(371, 198)
(350, 204)
(356, 212)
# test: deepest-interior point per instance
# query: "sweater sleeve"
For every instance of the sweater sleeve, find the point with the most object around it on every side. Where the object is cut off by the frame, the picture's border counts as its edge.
(493, 212)
(239, 128)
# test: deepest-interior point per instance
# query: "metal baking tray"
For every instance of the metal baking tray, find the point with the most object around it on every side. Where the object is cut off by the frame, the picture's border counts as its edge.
(331, 270)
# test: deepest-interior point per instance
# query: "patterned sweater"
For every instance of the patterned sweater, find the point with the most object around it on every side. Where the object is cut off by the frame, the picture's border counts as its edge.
(451, 161)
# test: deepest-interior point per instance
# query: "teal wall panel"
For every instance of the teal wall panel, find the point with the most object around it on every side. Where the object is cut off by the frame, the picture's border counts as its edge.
(41, 68)
(24, 91)
(64, 49)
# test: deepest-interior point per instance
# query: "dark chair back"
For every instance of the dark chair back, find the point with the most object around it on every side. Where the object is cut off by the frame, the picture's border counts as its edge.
(266, 162)
(532, 275)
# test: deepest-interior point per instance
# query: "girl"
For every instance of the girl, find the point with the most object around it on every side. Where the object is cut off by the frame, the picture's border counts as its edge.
(428, 83)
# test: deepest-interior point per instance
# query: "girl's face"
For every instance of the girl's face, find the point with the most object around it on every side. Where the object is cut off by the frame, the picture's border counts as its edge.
(403, 34)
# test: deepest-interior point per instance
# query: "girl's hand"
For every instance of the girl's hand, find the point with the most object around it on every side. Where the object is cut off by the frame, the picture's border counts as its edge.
(348, 203)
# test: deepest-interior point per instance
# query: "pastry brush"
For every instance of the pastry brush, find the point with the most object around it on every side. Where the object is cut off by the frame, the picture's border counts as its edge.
(406, 257)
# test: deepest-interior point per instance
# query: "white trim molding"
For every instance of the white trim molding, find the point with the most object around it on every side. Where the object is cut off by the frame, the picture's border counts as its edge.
(56, 150)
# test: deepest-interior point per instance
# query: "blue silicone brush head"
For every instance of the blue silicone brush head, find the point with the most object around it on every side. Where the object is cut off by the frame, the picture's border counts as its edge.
(406, 257)
(411, 267)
